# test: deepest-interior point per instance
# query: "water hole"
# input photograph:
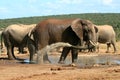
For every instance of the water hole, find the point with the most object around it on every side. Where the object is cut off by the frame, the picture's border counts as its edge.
(88, 60)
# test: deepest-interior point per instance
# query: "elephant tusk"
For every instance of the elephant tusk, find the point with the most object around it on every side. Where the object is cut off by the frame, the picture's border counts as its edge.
(93, 43)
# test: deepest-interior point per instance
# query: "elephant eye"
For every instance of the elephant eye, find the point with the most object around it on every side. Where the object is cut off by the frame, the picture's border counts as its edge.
(84, 24)
(89, 31)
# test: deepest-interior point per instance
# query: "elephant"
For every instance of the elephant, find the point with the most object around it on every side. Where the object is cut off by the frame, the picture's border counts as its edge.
(106, 35)
(15, 36)
(72, 31)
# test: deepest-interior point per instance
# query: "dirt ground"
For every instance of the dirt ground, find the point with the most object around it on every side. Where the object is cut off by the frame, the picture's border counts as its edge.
(16, 70)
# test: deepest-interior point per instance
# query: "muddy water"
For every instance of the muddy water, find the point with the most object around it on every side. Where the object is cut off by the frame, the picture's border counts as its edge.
(89, 60)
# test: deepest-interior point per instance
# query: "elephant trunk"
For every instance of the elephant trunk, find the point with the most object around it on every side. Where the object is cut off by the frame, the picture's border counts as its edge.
(42, 55)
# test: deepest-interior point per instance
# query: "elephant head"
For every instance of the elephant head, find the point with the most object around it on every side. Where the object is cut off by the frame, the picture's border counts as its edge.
(85, 30)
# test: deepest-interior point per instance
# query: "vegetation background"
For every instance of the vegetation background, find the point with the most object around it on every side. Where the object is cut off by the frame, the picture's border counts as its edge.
(97, 18)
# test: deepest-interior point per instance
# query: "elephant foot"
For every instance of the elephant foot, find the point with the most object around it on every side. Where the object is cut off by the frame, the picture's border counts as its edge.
(31, 61)
(61, 62)
(72, 65)
(115, 51)
(11, 58)
(47, 61)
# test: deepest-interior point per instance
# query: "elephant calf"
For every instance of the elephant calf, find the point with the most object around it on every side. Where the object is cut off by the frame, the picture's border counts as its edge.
(106, 35)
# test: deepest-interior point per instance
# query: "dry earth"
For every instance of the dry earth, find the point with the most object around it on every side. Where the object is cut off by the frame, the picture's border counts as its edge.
(16, 70)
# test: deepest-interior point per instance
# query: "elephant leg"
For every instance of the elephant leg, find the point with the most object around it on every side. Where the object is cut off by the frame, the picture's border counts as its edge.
(114, 46)
(31, 49)
(64, 54)
(108, 46)
(9, 53)
(74, 55)
(13, 52)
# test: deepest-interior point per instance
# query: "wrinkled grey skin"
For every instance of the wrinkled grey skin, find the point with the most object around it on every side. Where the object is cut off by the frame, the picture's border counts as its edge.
(50, 31)
(106, 35)
(15, 36)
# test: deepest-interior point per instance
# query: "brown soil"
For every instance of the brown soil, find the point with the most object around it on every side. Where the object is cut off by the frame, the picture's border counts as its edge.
(15, 70)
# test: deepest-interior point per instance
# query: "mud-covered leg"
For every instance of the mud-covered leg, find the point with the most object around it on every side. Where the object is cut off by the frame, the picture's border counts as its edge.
(9, 48)
(64, 54)
(108, 46)
(31, 49)
(13, 52)
(9, 53)
(74, 56)
(114, 46)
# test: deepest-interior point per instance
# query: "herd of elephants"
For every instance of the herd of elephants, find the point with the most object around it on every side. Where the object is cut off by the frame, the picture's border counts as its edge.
(80, 33)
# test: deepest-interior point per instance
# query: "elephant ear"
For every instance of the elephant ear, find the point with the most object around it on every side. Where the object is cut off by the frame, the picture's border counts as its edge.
(77, 28)
(30, 34)
(96, 28)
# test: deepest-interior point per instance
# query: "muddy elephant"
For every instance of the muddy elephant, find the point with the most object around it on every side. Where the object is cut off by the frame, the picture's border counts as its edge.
(72, 31)
(106, 35)
(15, 36)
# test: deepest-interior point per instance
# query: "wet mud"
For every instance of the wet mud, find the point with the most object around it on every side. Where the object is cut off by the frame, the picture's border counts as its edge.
(85, 60)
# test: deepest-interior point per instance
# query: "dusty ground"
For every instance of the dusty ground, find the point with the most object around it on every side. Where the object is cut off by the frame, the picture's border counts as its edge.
(15, 70)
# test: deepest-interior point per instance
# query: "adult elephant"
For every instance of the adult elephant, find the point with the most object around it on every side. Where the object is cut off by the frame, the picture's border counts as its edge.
(106, 35)
(72, 31)
(15, 36)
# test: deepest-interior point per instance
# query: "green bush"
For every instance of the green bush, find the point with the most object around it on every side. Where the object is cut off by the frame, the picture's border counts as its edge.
(97, 18)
